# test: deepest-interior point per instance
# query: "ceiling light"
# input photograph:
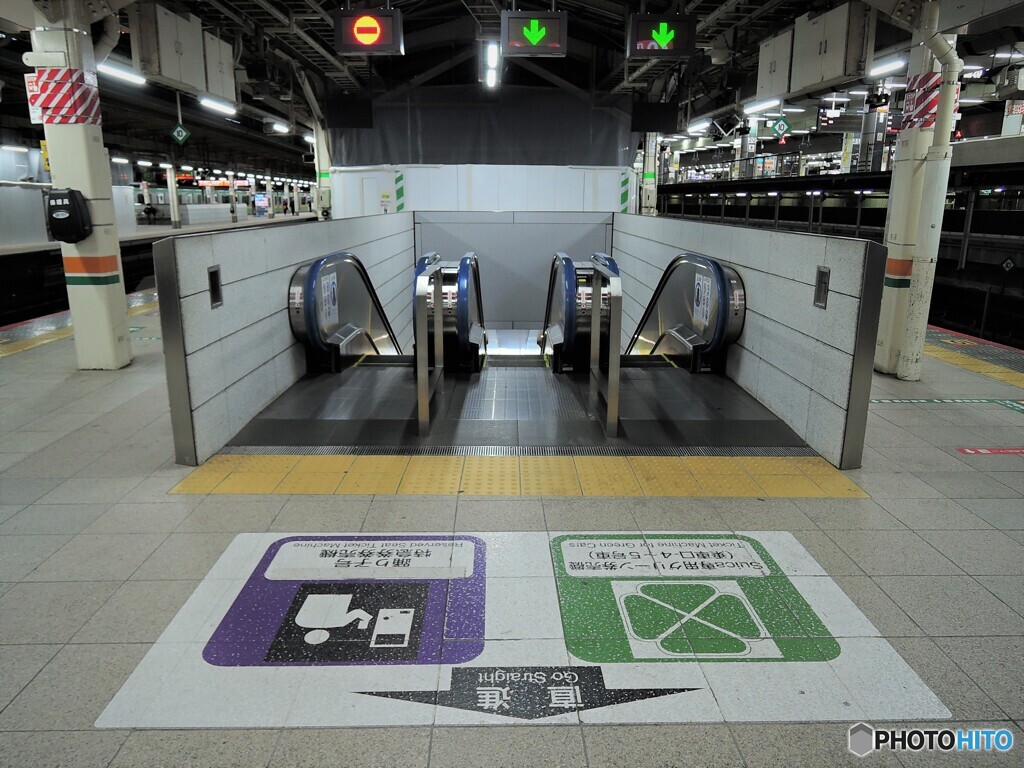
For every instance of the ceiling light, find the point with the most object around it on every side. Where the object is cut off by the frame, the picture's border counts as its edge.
(309, 138)
(119, 160)
(800, 132)
(773, 194)
(972, 101)
(858, 93)
(122, 74)
(492, 55)
(793, 110)
(280, 128)
(230, 173)
(186, 167)
(1009, 55)
(144, 163)
(887, 67)
(14, 148)
(835, 98)
(973, 67)
(217, 171)
(491, 79)
(896, 86)
(168, 166)
(698, 127)
(218, 106)
(760, 106)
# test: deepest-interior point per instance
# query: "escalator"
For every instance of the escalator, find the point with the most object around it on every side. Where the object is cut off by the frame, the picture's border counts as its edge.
(577, 392)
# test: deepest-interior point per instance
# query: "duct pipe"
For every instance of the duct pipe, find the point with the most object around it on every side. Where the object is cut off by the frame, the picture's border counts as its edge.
(108, 39)
(933, 198)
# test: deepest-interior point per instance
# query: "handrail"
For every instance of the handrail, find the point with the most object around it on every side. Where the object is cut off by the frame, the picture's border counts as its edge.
(569, 297)
(308, 299)
(469, 267)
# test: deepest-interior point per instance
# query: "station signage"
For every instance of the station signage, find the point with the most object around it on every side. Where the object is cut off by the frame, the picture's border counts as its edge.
(534, 33)
(368, 32)
(661, 36)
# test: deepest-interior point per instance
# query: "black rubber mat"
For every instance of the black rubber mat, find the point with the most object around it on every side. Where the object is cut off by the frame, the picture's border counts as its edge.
(660, 407)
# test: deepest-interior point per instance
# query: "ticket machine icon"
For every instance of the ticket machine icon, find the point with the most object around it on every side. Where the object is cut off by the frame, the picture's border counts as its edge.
(321, 613)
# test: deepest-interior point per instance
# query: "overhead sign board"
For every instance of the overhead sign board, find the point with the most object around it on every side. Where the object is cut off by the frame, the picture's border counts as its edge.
(530, 33)
(368, 32)
(661, 36)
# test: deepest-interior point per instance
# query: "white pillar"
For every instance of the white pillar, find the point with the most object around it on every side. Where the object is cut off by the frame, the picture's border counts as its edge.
(649, 187)
(270, 197)
(172, 194)
(901, 222)
(322, 160)
(92, 267)
(234, 201)
(295, 199)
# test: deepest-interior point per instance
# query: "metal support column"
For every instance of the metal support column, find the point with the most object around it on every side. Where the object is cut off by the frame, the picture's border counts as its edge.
(270, 196)
(62, 52)
(172, 198)
(972, 196)
(649, 187)
(234, 200)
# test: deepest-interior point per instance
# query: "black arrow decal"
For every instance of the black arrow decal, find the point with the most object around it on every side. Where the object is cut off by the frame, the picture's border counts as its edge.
(528, 693)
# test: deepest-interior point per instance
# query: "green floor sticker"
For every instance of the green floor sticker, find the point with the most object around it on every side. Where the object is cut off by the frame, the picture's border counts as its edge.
(682, 597)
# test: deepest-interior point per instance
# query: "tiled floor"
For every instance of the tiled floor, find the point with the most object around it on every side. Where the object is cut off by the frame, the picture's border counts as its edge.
(96, 559)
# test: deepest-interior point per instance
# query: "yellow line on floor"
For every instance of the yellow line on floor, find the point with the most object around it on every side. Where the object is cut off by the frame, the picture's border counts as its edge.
(673, 476)
(985, 368)
(23, 345)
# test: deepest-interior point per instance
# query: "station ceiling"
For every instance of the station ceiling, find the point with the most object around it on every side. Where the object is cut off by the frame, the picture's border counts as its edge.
(280, 42)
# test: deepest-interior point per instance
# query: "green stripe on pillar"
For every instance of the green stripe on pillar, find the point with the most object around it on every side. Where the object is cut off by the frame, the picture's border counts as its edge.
(399, 192)
(897, 282)
(90, 280)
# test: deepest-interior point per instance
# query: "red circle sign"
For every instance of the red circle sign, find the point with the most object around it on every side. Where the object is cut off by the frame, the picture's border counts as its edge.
(366, 30)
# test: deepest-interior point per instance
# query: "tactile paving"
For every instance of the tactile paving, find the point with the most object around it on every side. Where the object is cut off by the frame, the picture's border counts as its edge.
(607, 476)
(433, 475)
(789, 486)
(491, 476)
(769, 465)
(549, 476)
(250, 482)
(300, 483)
(713, 465)
(374, 474)
(324, 464)
(739, 485)
(664, 476)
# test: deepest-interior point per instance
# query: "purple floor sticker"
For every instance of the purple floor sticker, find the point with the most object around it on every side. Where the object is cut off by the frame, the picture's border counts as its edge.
(330, 600)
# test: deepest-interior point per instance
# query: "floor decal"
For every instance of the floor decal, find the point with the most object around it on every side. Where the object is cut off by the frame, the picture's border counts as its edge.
(293, 630)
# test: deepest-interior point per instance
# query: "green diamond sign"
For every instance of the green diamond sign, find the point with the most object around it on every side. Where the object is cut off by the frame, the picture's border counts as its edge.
(781, 127)
(682, 597)
(180, 133)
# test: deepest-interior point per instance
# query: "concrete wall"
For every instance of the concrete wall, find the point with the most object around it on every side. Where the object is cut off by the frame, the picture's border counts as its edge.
(226, 364)
(515, 251)
(810, 366)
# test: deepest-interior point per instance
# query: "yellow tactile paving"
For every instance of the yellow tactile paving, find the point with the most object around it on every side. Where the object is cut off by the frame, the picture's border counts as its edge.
(491, 476)
(23, 345)
(324, 464)
(789, 486)
(992, 370)
(549, 476)
(713, 465)
(374, 474)
(250, 482)
(664, 476)
(739, 485)
(716, 476)
(607, 476)
(303, 483)
(432, 475)
(769, 465)
(812, 465)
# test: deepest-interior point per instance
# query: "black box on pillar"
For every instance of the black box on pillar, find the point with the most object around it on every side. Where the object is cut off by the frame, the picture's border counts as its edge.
(67, 215)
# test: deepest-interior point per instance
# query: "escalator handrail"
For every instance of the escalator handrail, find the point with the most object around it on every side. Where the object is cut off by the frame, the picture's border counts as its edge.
(716, 269)
(606, 261)
(310, 297)
(469, 270)
(569, 296)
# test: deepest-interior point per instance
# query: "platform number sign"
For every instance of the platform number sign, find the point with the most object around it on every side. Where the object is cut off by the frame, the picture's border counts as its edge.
(368, 32)
(534, 33)
(781, 127)
(180, 133)
(661, 36)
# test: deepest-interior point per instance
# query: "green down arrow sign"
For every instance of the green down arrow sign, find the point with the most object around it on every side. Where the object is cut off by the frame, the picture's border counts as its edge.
(535, 32)
(663, 35)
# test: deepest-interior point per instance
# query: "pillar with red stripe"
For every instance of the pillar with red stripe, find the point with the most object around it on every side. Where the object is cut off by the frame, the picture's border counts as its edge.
(62, 53)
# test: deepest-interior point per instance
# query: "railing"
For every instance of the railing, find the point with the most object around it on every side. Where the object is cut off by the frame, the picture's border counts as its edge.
(605, 337)
(560, 311)
(429, 336)
(469, 309)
